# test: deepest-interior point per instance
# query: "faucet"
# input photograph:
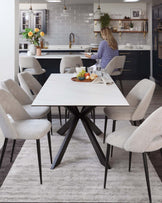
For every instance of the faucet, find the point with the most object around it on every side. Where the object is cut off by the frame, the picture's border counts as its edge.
(71, 35)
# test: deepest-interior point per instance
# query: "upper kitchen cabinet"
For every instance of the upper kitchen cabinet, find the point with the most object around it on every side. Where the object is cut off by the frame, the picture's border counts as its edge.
(38, 19)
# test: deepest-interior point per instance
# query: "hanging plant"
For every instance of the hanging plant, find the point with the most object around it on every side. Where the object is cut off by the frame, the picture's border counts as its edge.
(105, 20)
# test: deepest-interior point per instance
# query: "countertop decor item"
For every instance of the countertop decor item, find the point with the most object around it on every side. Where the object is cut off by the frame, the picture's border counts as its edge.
(34, 37)
(131, 25)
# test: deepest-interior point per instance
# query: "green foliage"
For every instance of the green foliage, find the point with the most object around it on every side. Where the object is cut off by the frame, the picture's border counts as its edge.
(131, 25)
(105, 20)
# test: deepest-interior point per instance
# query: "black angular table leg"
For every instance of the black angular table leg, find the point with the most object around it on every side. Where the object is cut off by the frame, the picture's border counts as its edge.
(95, 129)
(94, 142)
(65, 143)
(65, 127)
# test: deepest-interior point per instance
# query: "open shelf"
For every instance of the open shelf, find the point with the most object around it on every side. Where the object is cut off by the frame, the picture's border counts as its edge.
(132, 19)
(129, 31)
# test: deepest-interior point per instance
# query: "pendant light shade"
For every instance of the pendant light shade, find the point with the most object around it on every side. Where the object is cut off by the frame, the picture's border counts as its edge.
(65, 8)
(98, 13)
(30, 11)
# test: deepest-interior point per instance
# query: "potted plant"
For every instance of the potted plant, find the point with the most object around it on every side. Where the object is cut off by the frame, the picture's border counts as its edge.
(105, 20)
(131, 25)
(34, 37)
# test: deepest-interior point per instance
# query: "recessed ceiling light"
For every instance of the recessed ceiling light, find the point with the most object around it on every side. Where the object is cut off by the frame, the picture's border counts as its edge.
(131, 0)
(54, 1)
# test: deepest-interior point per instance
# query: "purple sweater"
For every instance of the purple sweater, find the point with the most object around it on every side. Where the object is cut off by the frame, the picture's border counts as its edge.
(105, 53)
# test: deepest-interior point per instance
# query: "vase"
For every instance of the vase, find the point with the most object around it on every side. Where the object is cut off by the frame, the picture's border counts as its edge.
(32, 49)
(38, 51)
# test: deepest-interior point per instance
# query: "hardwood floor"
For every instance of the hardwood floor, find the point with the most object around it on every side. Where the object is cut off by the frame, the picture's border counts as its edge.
(155, 157)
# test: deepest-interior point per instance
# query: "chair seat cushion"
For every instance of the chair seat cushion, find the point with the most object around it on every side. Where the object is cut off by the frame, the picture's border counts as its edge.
(119, 112)
(32, 129)
(115, 73)
(37, 111)
(33, 72)
(119, 137)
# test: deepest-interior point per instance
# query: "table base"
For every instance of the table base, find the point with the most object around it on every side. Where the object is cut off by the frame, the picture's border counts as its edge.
(70, 126)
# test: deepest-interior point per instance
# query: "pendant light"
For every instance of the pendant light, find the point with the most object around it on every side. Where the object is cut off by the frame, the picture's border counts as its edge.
(65, 12)
(98, 13)
(30, 12)
(65, 8)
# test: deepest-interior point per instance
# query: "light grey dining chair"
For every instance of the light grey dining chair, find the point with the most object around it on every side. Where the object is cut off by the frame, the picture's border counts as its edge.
(16, 123)
(30, 64)
(20, 95)
(115, 68)
(139, 99)
(145, 138)
(34, 111)
(32, 87)
(68, 64)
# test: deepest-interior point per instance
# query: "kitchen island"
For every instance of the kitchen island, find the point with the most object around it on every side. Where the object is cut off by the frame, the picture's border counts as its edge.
(137, 65)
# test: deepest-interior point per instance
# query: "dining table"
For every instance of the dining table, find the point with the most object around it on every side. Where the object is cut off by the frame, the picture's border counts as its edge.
(80, 98)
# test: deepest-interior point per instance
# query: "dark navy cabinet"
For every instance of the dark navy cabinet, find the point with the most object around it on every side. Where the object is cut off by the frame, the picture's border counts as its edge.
(53, 65)
(137, 65)
(157, 42)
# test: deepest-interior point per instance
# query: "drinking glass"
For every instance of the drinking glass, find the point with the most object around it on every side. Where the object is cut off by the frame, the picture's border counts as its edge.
(102, 72)
(98, 71)
(90, 70)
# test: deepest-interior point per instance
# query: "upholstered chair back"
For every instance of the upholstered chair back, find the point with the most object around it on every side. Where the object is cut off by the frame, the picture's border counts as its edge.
(12, 107)
(116, 63)
(13, 87)
(148, 136)
(29, 84)
(7, 128)
(68, 63)
(29, 62)
(140, 97)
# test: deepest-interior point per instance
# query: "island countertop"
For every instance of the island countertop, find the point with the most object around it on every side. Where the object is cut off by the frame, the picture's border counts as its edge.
(80, 49)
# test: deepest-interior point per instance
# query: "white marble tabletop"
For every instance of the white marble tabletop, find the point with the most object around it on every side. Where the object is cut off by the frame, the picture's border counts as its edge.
(60, 90)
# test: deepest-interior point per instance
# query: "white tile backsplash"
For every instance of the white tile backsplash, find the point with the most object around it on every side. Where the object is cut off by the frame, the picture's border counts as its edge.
(78, 21)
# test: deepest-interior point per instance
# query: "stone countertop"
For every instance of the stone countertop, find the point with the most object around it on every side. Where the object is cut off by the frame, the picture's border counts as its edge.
(57, 55)
(57, 52)
(82, 48)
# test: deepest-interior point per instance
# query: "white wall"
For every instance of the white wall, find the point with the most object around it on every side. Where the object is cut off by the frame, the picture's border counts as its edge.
(122, 9)
(26, 6)
(8, 39)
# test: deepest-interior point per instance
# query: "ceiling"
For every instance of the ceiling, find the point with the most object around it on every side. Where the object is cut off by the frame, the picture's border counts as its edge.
(79, 1)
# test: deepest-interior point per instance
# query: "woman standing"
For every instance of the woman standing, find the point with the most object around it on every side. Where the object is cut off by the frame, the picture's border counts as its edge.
(108, 48)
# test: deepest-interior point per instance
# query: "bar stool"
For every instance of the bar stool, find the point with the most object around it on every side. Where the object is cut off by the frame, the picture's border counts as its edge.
(30, 64)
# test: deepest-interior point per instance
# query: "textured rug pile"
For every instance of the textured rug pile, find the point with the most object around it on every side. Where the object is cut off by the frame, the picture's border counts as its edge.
(79, 177)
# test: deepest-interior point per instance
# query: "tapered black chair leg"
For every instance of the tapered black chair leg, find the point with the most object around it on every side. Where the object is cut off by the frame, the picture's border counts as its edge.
(106, 164)
(13, 147)
(161, 151)
(66, 111)
(59, 109)
(147, 176)
(113, 129)
(49, 117)
(121, 85)
(93, 112)
(49, 145)
(3, 151)
(105, 128)
(130, 160)
(39, 160)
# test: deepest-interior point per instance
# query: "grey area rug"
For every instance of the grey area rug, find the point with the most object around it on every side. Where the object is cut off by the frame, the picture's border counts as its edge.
(79, 178)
